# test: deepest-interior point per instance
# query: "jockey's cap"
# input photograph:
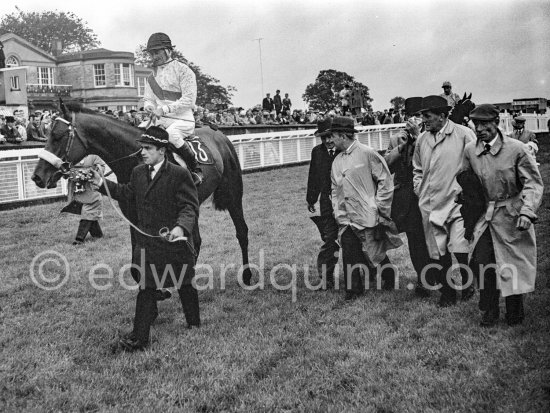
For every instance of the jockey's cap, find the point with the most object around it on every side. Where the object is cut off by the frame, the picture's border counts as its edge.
(159, 41)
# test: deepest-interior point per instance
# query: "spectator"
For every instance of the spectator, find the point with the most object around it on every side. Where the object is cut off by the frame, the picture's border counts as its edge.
(388, 119)
(21, 126)
(45, 124)
(10, 132)
(277, 102)
(267, 103)
(287, 104)
(2, 124)
(344, 98)
(33, 130)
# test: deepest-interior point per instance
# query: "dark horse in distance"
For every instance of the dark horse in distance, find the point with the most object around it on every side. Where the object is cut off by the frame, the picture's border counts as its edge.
(461, 111)
(81, 131)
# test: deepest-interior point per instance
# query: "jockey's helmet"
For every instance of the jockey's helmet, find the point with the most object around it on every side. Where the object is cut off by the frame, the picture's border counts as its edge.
(159, 41)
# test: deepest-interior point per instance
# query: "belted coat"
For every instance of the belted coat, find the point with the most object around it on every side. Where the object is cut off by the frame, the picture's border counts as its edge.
(168, 200)
(436, 161)
(513, 186)
(92, 202)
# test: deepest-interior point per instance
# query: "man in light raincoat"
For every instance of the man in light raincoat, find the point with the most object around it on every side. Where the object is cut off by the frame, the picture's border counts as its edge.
(504, 235)
(362, 192)
(436, 161)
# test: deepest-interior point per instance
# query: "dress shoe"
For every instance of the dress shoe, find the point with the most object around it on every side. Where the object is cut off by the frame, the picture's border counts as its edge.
(513, 320)
(490, 318)
(78, 242)
(162, 294)
(131, 344)
(421, 291)
(468, 293)
(446, 302)
(352, 295)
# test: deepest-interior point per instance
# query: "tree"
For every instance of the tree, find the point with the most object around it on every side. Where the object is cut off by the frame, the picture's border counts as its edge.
(42, 28)
(398, 103)
(209, 91)
(323, 93)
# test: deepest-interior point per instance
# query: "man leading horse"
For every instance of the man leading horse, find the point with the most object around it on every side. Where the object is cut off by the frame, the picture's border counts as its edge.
(170, 95)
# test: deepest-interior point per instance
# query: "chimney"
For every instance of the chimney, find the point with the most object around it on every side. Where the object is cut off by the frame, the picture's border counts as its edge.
(57, 46)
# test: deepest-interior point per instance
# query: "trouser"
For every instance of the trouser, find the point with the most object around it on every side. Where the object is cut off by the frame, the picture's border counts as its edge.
(355, 262)
(178, 133)
(442, 274)
(90, 226)
(485, 272)
(147, 310)
(328, 255)
(418, 251)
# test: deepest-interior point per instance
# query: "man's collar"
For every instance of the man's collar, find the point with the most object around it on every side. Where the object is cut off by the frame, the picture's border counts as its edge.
(496, 145)
(351, 147)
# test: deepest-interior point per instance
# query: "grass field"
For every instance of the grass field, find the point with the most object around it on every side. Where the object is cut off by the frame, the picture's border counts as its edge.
(257, 350)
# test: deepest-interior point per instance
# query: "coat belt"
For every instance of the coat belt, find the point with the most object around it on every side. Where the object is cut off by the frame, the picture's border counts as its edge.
(492, 205)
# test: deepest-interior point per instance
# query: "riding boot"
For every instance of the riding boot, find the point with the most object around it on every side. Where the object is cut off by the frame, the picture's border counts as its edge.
(189, 298)
(95, 230)
(83, 229)
(188, 155)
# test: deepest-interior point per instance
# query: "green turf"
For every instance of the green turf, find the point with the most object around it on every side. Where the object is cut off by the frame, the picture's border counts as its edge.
(262, 350)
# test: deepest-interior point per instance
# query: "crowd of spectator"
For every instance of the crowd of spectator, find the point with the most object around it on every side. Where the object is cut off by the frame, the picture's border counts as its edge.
(18, 128)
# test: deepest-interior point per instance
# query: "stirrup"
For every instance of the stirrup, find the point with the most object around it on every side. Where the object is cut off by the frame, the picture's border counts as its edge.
(197, 178)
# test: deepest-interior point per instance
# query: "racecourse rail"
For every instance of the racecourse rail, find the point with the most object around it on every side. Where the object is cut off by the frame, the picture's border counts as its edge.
(256, 151)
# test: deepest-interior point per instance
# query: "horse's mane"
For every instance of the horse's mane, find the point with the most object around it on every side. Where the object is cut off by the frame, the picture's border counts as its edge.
(78, 108)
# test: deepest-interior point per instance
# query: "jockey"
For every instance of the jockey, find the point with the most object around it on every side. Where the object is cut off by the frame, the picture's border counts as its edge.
(170, 95)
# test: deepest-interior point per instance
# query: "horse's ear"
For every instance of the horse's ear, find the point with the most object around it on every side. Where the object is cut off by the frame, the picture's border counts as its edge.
(470, 97)
(464, 97)
(63, 107)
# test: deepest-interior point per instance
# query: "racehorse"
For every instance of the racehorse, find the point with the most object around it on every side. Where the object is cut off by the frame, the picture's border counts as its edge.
(80, 131)
(461, 110)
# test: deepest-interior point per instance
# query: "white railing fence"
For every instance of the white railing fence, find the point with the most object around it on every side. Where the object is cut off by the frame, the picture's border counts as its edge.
(255, 150)
(16, 168)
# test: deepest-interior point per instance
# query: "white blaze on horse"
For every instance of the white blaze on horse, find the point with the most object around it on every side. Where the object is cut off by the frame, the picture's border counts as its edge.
(81, 131)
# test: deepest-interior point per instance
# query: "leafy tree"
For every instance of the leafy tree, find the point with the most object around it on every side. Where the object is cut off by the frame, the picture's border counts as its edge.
(42, 28)
(209, 91)
(323, 93)
(398, 103)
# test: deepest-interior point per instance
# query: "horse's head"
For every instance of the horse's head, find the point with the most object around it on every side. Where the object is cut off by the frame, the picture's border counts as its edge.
(64, 148)
(462, 109)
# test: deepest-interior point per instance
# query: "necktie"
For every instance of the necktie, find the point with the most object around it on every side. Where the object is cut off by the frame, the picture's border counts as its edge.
(487, 149)
(151, 172)
(331, 153)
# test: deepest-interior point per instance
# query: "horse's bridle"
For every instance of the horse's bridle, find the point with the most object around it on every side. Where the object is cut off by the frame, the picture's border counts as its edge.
(66, 165)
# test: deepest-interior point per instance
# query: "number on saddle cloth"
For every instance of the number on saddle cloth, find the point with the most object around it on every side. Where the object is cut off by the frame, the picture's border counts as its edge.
(202, 152)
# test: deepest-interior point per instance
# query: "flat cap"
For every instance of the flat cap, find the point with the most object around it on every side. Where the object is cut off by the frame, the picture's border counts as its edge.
(446, 84)
(519, 119)
(485, 111)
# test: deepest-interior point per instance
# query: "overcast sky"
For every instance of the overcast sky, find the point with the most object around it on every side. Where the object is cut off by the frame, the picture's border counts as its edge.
(497, 50)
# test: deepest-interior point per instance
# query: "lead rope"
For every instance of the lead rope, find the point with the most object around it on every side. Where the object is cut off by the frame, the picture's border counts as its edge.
(164, 232)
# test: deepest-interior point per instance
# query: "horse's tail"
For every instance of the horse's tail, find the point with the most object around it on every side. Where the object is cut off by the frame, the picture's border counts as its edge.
(230, 189)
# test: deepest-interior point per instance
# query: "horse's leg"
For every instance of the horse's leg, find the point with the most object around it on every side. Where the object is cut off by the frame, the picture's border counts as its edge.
(237, 216)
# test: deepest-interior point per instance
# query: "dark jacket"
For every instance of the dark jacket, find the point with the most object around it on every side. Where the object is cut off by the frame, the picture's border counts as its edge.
(277, 102)
(11, 134)
(319, 183)
(35, 134)
(170, 199)
(267, 104)
(405, 202)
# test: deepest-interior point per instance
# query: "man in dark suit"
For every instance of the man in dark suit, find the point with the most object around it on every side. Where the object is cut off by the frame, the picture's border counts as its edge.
(267, 103)
(164, 196)
(277, 102)
(405, 211)
(319, 188)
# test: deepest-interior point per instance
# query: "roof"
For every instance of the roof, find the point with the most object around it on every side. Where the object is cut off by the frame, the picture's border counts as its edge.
(100, 53)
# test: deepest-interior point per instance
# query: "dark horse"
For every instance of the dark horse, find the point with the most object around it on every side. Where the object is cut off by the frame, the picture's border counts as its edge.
(81, 131)
(462, 110)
